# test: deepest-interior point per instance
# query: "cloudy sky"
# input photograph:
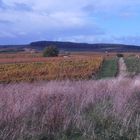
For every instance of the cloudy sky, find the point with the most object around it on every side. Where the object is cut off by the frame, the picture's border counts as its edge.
(91, 21)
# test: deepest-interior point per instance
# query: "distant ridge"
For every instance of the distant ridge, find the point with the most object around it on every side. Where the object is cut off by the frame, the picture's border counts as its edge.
(72, 47)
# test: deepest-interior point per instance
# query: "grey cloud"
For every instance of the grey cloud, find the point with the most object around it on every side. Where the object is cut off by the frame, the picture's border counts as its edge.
(2, 5)
(5, 22)
(132, 39)
(89, 8)
(22, 7)
(15, 6)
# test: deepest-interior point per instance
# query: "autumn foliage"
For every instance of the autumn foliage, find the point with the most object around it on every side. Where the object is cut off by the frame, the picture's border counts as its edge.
(52, 69)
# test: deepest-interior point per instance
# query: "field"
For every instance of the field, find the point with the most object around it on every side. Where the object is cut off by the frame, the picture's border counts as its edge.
(69, 70)
(133, 65)
(37, 57)
(68, 98)
(50, 69)
(71, 110)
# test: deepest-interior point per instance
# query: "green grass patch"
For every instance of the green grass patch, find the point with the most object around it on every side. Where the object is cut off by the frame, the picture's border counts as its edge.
(109, 69)
(133, 65)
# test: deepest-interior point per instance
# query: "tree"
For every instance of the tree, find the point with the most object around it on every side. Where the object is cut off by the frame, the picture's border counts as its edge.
(50, 51)
(120, 55)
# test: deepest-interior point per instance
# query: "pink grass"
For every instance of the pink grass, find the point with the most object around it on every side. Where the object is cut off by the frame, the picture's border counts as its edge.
(32, 109)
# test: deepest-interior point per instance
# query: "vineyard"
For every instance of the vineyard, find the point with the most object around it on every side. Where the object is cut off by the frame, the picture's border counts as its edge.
(52, 69)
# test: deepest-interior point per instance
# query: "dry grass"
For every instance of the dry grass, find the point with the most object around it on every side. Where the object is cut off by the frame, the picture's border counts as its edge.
(82, 110)
(51, 69)
(19, 55)
(37, 57)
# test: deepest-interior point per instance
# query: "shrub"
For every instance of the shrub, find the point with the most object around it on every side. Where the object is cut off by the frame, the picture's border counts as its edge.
(51, 51)
(120, 55)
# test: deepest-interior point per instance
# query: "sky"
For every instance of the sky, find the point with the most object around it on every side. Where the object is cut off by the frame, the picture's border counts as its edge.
(90, 21)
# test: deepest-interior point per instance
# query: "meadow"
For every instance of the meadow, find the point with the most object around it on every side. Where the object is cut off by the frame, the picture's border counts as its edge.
(50, 69)
(71, 110)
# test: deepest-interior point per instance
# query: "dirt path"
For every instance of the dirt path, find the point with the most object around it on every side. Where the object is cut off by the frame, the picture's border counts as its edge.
(122, 68)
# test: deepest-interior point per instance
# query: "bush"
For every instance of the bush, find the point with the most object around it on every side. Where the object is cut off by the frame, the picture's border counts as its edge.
(51, 51)
(120, 55)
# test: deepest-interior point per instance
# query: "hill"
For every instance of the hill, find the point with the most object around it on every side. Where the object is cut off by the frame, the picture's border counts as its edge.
(71, 47)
